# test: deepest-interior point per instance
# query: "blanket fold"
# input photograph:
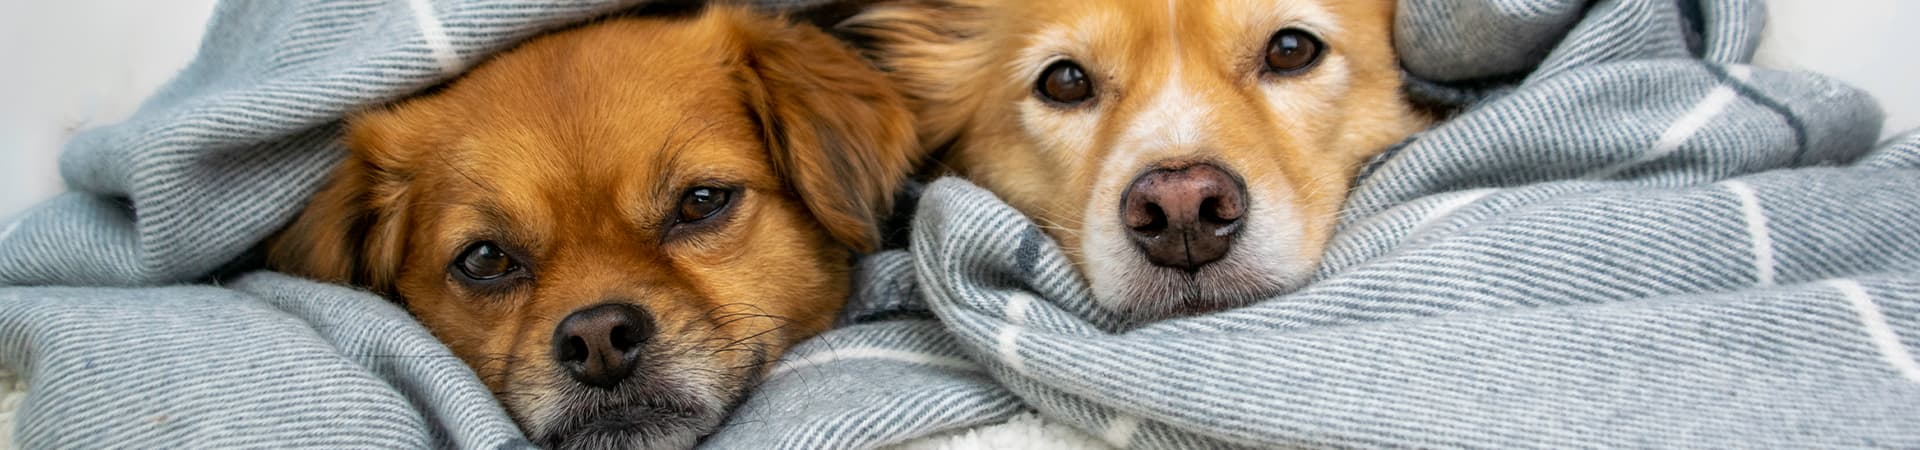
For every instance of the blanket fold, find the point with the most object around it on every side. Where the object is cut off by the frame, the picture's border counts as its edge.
(1625, 237)
(1643, 242)
(265, 361)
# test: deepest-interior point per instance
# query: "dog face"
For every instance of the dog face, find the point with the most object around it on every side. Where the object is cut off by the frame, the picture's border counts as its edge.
(1189, 156)
(618, 225)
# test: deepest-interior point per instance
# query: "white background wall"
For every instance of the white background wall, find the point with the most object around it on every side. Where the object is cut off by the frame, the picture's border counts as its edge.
(72, 64)
(66, 65)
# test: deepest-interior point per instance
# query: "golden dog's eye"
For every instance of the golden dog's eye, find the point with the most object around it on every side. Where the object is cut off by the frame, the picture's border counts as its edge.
(484, 261)
(1292, 50)
(702, 202)
(1065, 83)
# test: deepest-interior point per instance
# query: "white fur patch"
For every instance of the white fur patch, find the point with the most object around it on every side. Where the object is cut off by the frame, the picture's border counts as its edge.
(1173, 33)
(1176, 121)
(1173, 125)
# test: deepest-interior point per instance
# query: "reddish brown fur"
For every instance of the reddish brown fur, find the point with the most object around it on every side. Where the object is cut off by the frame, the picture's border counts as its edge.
(575, 149)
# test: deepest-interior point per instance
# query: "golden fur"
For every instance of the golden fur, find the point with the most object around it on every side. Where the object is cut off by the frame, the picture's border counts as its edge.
(1176, 82)
(573, 151)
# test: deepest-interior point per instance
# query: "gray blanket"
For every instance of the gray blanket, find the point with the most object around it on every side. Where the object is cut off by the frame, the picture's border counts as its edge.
(1628, 238)
(1640, 243)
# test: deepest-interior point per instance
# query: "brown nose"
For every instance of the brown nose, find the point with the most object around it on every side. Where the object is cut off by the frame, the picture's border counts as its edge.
(1184, 218)
(598, 345)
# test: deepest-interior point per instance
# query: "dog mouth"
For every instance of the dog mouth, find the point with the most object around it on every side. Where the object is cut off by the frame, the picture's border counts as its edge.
(1179, 293)
(1130, 286)
(671, 401)
(656, 420)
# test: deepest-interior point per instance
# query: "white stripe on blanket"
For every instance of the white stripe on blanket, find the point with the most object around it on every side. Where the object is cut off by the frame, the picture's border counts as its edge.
(1875, 324)
(435, 36)
(1756, 219)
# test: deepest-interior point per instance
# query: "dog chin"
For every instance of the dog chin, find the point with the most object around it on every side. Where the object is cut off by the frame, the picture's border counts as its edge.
(1149, 293)
(638, 425)
(670, 404)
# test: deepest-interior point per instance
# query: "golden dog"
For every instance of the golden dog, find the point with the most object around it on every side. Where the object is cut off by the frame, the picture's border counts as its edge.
(1188, 155)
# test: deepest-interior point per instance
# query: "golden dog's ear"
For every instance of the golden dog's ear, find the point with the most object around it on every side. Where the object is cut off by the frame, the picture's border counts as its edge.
(932, 49)
(839, 133)
(353, 231)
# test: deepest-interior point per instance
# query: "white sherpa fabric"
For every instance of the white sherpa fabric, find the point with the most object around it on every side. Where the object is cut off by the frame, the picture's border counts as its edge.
(13, 391)
(1024, 431)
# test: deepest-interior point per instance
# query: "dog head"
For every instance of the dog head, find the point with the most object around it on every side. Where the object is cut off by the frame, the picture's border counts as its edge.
(1189, 156)
(618, 225)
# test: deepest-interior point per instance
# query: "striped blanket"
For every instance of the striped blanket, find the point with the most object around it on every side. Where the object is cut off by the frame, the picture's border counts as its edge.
(1640, 242)
(1625, 238)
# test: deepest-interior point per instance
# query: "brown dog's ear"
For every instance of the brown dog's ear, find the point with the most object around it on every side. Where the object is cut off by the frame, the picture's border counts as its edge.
(353, 231)
(933, 51)
(838, 131)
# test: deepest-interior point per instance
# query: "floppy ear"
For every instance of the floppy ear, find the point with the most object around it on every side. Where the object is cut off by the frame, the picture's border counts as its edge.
(353, 231)
(933, 50)
(838, 132)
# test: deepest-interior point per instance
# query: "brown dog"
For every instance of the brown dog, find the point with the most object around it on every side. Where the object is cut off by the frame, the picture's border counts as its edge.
(1188, 155)
(617, 226)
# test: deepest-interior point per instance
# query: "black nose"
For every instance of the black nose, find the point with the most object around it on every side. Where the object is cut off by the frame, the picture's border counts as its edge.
(598, 345)
(1184, 218)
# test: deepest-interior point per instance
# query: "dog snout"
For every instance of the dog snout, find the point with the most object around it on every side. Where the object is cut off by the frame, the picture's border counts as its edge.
(1184, 218)
(599, 345)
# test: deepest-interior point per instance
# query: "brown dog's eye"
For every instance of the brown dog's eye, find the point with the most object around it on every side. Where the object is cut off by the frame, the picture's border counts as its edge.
(702, 202)
(485, 261)
(1065, 83)
(1292, 50)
